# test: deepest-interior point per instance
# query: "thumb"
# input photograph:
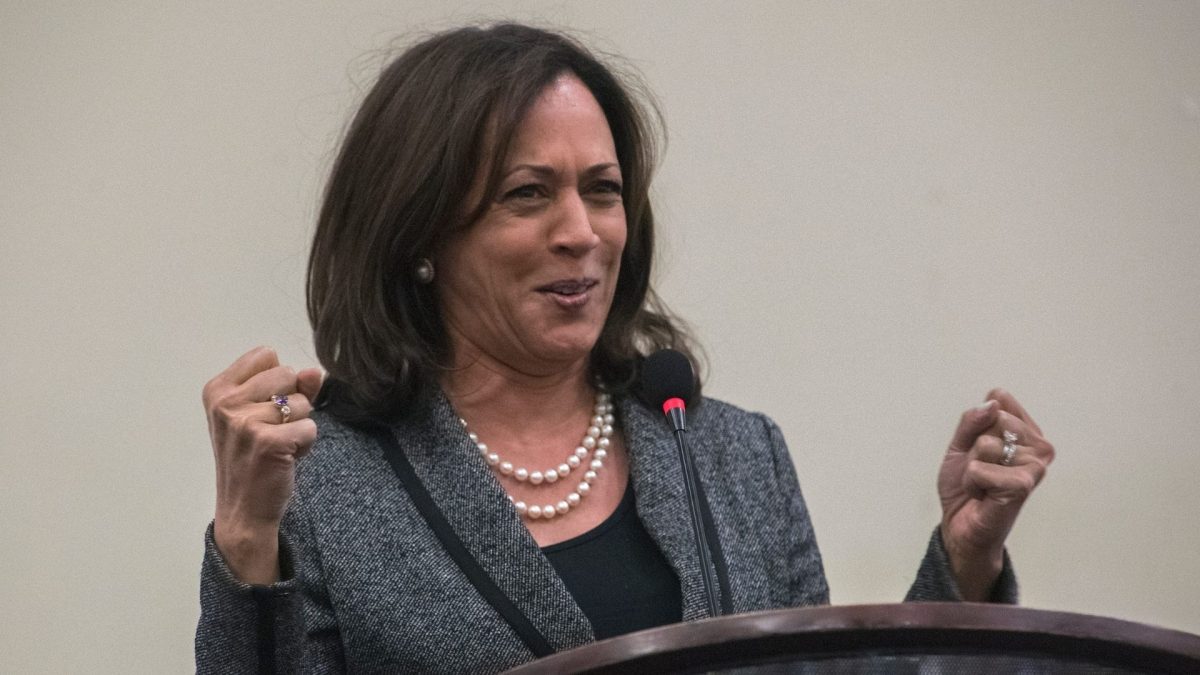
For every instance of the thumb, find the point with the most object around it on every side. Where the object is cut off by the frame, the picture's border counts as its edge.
(974, 422)
(308, 381)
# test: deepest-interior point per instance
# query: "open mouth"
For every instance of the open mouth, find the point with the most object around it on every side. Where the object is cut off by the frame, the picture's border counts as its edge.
(569, 294)
(568, 287)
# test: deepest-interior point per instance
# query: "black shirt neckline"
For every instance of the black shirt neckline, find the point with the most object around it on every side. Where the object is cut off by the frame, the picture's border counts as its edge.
(623, 508)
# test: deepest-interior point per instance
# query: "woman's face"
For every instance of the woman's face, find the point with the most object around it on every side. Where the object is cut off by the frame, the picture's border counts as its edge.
(530, 284)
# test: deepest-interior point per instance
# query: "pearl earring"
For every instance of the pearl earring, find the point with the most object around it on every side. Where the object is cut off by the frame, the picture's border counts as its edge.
(424, 271)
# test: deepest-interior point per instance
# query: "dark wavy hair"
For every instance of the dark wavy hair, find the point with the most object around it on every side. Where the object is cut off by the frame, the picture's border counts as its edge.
(401, 188)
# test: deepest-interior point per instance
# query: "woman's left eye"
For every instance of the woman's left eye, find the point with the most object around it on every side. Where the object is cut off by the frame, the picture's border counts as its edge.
(610, 187)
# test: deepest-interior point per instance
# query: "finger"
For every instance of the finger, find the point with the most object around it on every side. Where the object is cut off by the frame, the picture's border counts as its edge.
(308, 382)
(248, 419)
(990, 450)
(295, 438)
(221, 387)
(1035, 445)
(249, 364)
(1001, 486)
(298, 407)
(1009, 403)
(306, 435)
(1008, 422)
(973, 423)
(280, 380)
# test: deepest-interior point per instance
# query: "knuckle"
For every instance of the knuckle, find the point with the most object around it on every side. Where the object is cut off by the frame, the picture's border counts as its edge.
(218, 392)
(1025, 483)
(286, 371)
(305, 431)
(243, 425)
(1038, 471)
(222, 416)
(977, 469)
(971, 473)
(266, 441)
(306, 436)
(986, 444)
(226, 399)
(277, 445)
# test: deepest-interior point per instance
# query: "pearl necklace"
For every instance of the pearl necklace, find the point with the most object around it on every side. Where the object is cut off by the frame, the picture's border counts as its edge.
(596, 441)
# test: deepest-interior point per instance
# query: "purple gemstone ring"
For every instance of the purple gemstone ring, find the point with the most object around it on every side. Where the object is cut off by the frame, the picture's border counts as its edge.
(281, 404)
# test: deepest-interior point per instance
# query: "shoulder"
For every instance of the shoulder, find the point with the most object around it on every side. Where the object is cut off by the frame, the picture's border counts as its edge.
(707, 418)
(729, 436)
(340, 449)
(717, 417)
(719, 433)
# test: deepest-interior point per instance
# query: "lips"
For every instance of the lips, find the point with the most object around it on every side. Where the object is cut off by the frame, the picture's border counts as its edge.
(568, 286)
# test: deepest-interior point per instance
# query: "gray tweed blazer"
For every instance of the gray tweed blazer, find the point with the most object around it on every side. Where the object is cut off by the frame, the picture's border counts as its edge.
(366, 586)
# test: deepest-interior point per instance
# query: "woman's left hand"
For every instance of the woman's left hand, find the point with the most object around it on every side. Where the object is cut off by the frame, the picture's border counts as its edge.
(982, 491)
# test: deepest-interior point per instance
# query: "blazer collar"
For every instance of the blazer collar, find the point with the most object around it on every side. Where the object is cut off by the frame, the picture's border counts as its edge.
(479, 511)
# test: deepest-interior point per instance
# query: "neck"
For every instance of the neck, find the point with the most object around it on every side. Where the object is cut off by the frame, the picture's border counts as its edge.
(502, 400)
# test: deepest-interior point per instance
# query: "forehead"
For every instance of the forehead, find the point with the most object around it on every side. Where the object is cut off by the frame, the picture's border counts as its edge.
(564, 116)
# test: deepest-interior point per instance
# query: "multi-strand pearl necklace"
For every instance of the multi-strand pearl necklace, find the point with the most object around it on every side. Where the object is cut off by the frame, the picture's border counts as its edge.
(596, 442)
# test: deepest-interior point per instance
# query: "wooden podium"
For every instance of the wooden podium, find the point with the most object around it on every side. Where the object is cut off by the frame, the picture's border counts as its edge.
(898, 638)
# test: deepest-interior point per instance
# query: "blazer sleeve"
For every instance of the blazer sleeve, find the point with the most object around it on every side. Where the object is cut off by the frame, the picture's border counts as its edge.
(287, 627)
(806, 579)
(935, 581)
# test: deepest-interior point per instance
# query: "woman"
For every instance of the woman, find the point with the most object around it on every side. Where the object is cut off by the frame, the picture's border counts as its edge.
(481, 485)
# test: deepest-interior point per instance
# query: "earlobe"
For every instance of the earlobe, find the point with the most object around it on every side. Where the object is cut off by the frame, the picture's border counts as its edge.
(423, 271)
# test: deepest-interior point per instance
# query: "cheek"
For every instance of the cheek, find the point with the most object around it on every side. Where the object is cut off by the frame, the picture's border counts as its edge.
(495, 262)
(616, 252)
(616, 235)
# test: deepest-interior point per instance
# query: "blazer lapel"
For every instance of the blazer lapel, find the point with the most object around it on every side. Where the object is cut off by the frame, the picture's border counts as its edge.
(662, 500)
(478, 510)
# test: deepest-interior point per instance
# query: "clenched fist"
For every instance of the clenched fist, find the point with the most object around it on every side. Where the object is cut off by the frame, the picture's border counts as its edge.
(996, 458)
(256, 445)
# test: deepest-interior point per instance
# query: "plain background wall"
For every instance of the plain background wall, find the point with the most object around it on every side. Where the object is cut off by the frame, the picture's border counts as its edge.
(871, 213)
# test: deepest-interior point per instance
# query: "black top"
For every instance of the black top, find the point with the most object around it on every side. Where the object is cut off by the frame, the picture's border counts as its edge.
(617, 575)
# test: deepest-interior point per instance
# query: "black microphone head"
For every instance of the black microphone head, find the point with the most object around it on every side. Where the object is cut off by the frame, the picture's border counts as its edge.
(666, 374)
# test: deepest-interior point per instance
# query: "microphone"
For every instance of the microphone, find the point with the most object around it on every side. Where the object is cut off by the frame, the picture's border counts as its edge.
(666, 381)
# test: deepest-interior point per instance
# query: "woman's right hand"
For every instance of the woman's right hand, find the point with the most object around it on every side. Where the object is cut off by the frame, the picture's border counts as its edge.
(256, 451)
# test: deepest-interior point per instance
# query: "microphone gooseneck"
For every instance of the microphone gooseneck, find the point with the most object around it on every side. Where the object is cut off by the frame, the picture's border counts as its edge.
(667, 382)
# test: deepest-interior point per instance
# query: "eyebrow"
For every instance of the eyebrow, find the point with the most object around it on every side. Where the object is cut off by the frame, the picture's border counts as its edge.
(545, 170)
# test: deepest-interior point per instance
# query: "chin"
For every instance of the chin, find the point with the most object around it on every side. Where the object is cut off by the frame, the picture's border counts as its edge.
(567, 346)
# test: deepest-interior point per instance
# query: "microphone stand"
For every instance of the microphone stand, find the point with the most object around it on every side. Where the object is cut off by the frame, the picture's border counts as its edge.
(677, 414)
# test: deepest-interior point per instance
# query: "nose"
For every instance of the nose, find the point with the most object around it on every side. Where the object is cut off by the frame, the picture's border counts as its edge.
(573, 234)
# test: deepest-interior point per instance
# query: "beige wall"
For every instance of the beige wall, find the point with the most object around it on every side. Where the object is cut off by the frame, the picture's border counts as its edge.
(872, 213)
